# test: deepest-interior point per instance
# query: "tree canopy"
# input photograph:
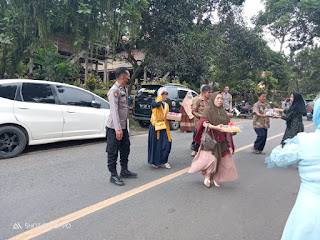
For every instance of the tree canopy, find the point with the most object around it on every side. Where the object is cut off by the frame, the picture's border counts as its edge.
(195, 41)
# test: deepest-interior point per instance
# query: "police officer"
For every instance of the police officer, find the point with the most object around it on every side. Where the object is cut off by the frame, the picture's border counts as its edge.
(117, 129)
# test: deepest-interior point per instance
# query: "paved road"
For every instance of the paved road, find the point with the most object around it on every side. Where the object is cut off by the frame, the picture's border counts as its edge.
(44, 185)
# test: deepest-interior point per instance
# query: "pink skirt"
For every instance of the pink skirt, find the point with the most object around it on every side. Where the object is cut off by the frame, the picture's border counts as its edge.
(206, 163)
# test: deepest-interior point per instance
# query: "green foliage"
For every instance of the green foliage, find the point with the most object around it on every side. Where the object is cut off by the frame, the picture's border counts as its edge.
(51, 67)
(91, 82)
(278, 18)
(295, 21)
(177, 36)
(101, 93)
(307, 68)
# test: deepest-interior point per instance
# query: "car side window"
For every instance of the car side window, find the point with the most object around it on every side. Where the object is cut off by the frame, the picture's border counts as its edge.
(8, 91)
(182, 94)
(104, 104)
(74, 97)
(194, 94)
(172, 92)
(37, 93)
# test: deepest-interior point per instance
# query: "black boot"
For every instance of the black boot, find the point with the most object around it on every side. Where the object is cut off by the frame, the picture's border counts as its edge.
(125, 173)
(115, 179)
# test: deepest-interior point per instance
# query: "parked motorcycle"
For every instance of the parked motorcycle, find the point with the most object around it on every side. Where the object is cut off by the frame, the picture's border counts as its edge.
(309, 114)
(243, 110)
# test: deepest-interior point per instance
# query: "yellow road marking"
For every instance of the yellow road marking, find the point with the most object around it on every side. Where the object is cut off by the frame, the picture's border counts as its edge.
(103, 204)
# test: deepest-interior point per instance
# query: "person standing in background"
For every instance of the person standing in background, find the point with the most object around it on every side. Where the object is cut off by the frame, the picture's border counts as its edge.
(197, 108)
(117, 130)
(187, 122)
(227, 99)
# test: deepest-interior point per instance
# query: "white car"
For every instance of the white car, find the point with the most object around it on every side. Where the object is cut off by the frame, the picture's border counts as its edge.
(36, 112)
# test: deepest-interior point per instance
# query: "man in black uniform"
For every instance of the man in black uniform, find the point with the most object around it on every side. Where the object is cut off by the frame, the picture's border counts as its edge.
(117, 129)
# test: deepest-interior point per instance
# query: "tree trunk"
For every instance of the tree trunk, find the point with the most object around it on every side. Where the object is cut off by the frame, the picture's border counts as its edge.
(86, 66)
(4, 61)
(165, 76)
(281, 43)
(136, 71)
(30, 65)
(105, 71)
(145, 74)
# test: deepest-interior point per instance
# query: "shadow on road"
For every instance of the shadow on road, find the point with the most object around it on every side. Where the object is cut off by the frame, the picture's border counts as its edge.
(61, 145)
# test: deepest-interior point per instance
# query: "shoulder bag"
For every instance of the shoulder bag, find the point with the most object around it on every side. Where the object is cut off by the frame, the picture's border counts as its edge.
(207, 140)
(160, 125)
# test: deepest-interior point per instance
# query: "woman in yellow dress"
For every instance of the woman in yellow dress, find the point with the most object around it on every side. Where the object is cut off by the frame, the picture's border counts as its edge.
(159, 140)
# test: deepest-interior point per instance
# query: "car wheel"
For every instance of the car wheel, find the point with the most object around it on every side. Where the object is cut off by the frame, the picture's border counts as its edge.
(12, 141)
(174, 125)
(144, 124)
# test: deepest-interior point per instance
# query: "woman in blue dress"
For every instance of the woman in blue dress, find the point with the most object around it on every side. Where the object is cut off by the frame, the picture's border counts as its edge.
(159, 141)
(304, 149)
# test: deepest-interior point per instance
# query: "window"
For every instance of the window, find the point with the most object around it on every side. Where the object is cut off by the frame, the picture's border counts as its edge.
(37, 92)
(104, 104)
(172, 92)
(148, 91)
(182, 94)
(8, 91)
(74, 97)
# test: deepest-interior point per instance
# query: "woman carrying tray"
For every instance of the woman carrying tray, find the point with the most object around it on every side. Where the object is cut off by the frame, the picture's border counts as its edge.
(293, 116)
(216, 165)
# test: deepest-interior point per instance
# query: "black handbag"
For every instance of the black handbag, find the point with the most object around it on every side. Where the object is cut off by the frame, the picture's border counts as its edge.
(207, 140)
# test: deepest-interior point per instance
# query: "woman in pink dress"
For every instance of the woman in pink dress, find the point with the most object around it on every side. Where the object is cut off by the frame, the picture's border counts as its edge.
(187, 122)
(216, 165)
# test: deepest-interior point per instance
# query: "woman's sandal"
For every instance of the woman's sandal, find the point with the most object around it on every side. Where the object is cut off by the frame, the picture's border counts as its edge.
(207, 182)
(167, 165)
(155, 166)
(216, 183)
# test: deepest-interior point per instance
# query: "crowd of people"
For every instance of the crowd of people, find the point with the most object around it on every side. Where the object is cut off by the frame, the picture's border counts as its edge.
(212, 146)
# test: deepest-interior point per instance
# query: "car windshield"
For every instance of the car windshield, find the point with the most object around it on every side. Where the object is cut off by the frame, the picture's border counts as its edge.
(148, 91)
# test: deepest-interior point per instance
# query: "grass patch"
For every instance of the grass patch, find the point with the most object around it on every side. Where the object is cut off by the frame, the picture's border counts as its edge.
(102, 93)
(133, 122)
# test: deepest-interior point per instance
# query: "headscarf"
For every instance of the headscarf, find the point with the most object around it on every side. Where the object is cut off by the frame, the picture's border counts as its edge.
(316, 114)
(186, 104)
(215, 115)
(298, 104)
(161, 90)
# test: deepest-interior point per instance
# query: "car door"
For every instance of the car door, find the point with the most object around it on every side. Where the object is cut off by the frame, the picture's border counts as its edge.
(37, 109)
(80, 117)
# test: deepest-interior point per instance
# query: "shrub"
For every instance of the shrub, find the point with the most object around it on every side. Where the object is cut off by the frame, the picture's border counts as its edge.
(91, 82)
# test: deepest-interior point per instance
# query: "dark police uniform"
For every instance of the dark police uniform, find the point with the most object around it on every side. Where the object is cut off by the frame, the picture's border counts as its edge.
(119, 112)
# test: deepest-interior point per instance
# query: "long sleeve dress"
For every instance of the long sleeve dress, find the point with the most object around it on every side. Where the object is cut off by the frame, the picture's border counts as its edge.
(304, 220)
(207, 163)
(294, 124)
(159, 142)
